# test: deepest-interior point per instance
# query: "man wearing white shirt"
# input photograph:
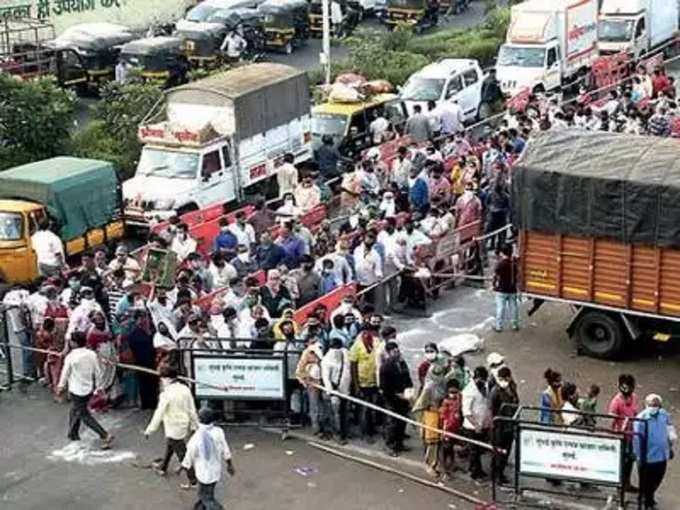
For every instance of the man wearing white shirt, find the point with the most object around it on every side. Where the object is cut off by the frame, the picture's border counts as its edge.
(183, 244)
(244, 232)
(477, 417)
(368, 266)
(131, 267)
(80, 318)
(49, 250)
(221, 272)
(82, 375)
(206, 450)
(451, 117)
(177, 411)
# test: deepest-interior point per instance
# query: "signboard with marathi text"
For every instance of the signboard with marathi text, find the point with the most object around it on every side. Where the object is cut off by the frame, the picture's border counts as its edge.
(576, 456)
(244, 378)
(137, 14)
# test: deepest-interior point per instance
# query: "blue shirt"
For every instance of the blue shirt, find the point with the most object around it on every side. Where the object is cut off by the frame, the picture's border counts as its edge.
(418, 194)
(226, 241)
(658, 444)
(327, 283)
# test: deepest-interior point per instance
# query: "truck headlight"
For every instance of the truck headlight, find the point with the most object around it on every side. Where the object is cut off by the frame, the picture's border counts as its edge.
(164, 203)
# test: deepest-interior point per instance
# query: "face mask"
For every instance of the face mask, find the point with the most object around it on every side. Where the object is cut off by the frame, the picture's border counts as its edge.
(625, 390)
(653, 411)
(430, 356)
(244, 257)
(74, 285)
(288, 202)
(503, 384)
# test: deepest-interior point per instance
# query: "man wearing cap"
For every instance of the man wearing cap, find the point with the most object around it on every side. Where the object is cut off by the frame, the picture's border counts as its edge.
(656, 422)
(122, 261)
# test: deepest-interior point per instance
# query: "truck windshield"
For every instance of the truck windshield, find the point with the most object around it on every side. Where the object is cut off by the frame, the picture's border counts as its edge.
(615, 30)
(423, 89)
(11, 226)
(518, 56)
(168, 164)
(334, 125)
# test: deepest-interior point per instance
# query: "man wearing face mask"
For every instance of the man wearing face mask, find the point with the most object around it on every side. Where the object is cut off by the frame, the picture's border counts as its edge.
(477, 418)
(80, 318)
(307, 194)
(243, 263)
(183, 244)
(394, 381)
(625, 406)
(368, 265)
(660, 438)
(226, 241)
(504, 401)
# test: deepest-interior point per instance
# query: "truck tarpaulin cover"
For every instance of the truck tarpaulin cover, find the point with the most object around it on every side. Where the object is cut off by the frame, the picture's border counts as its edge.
(79, 193)
(263, 96)
(606, 185)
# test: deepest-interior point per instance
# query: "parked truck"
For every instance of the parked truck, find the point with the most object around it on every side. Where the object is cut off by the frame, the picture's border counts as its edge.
(217, 139)
(80, 197)
(637, 26)
(550, 44)
(599, 229)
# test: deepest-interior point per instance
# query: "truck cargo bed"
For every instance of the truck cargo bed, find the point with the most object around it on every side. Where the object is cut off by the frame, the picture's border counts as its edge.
(608, 273)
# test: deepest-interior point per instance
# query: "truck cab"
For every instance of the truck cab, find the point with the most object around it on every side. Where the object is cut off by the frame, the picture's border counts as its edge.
(538, 67)
(18, 222)
(618, 33)
(448, 79)
(172, 179)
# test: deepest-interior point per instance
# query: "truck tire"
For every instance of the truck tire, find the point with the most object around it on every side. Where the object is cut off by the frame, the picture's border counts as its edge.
(600, 335)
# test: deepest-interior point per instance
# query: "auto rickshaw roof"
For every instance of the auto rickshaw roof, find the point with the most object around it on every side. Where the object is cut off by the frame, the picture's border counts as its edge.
(347, 109)
(283, 5)
(93, 36)
(152, 45)
(233, 17)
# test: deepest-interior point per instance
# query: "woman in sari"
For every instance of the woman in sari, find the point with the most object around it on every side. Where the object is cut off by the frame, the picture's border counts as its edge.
(100, 340)
(50, 336)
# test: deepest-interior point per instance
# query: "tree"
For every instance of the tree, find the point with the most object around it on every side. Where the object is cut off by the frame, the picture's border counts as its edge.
(35, 120)
(112, 135)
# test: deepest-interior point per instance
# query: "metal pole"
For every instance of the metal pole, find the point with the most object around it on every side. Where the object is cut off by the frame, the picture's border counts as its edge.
(4, 324)
(326, 47)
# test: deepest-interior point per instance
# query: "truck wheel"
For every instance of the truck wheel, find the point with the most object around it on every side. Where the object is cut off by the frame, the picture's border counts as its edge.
(600, 335)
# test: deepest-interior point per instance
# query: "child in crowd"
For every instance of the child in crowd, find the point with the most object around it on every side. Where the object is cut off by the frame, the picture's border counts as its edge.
(451, 419)
(589, 405)
(431, 438)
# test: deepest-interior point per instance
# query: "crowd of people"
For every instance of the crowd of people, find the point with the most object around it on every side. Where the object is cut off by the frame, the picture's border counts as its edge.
(440, 180)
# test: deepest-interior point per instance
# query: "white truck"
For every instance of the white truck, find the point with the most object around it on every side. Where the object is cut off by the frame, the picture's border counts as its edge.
(448, 79)
(550, 44)
(636, 26)
(217, 139)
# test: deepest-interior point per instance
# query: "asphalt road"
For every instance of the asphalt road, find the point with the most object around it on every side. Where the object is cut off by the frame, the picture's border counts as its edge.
(39, 465)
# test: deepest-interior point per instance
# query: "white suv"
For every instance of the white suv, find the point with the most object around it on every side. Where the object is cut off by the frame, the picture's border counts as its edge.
(444, 80)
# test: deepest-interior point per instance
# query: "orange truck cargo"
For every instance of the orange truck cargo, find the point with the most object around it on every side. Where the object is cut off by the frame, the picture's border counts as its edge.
(598, 216)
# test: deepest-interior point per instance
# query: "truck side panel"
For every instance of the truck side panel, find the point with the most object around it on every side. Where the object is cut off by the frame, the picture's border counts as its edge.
(663, 21)
(601, 271)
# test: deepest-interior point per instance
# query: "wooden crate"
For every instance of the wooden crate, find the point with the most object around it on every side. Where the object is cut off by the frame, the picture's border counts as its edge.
(605, 272)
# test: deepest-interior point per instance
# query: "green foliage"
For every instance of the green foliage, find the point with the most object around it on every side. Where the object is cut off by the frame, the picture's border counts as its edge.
(35, 118)
(113, 133)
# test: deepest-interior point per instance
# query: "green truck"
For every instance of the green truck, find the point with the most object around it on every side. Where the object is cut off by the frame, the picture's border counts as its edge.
(82, 197)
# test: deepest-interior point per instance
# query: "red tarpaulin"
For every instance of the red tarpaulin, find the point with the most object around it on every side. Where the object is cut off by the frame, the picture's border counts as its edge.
(331, 301)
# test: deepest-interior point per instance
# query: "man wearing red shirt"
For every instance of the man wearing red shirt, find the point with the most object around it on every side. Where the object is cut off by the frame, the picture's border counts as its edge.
(624, 405)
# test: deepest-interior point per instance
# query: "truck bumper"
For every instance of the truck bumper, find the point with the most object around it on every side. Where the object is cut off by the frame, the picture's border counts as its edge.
(144, 219)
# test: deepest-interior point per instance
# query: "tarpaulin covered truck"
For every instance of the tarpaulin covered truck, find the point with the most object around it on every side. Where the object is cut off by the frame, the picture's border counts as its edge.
(599, 222)
(80, 196)
(550, 43)
(214, 140)
(637, 26)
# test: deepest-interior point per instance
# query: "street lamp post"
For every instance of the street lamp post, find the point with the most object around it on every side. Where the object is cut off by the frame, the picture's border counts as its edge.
(326, 45)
